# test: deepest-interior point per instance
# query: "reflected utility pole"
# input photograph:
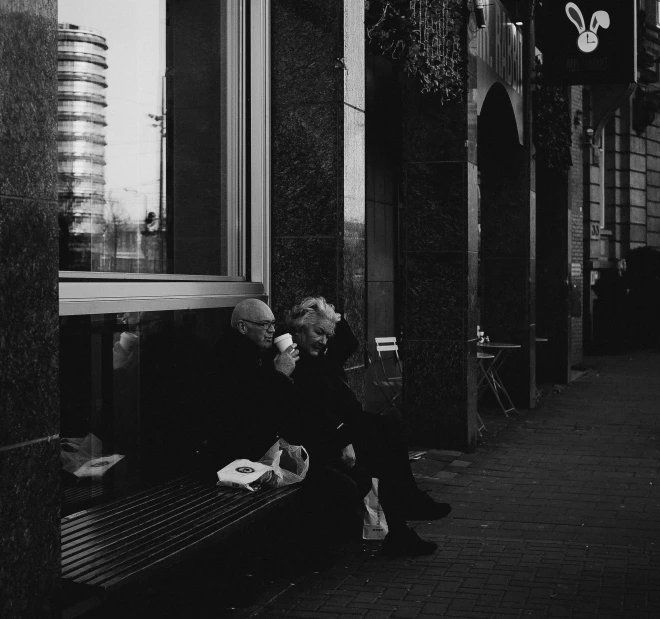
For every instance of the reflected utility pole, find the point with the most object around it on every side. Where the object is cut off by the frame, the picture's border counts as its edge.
(159, 123)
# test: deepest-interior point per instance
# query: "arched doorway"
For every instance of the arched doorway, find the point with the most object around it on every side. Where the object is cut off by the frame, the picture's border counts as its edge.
(506, 255)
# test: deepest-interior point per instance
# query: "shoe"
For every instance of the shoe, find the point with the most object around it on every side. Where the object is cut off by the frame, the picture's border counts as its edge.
(423, 507)
(406, 543)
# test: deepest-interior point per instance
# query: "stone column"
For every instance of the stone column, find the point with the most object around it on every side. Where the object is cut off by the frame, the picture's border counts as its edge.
(317, 203)
(439, 272)
(29, 415)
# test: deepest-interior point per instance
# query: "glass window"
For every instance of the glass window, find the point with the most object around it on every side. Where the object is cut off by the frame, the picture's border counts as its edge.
(164, 223)
(132, 396)
(151, 141)
(164, 144)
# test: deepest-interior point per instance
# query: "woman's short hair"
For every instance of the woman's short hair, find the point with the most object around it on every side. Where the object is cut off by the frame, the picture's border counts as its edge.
(308, 310)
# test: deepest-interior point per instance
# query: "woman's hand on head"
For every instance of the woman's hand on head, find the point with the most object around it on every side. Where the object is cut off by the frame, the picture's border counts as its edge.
(285, 362)
(348, 456)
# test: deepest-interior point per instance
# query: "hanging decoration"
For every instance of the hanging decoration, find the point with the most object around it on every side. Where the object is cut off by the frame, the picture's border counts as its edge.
(423, 37)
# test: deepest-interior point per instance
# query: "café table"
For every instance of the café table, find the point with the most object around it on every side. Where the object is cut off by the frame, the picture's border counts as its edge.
(501, 352)
(484, 361)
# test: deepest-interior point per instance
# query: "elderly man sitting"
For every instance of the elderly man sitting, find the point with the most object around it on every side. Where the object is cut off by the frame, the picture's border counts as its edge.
(251, 390)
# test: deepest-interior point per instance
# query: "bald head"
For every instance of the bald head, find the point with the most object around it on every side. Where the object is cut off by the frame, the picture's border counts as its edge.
(251, 309)
(253, 319)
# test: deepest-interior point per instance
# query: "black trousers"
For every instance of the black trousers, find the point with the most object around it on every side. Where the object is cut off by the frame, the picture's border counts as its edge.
(381, 451)
(331, 507)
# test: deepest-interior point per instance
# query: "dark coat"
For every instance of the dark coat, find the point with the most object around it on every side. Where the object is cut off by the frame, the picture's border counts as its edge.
(251, 405)
(329, 411)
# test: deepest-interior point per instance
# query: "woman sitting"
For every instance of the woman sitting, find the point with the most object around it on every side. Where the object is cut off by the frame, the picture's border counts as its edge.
(339, 435)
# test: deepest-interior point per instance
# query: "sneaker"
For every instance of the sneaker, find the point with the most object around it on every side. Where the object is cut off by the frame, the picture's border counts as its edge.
(423, 507)
(407, 543)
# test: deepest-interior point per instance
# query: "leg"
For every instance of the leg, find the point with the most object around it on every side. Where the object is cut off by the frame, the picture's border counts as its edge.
(383, 446)
(331, 507)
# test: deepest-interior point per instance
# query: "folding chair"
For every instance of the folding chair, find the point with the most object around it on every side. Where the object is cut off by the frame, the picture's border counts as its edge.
(388, 380)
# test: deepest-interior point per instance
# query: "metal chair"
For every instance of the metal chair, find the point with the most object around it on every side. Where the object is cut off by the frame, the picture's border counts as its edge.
(388, 373)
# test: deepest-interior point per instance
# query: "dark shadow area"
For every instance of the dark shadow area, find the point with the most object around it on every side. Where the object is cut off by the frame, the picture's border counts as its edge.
(627, 304)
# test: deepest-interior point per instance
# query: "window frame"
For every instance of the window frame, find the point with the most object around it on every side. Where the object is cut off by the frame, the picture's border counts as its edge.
(102, 293)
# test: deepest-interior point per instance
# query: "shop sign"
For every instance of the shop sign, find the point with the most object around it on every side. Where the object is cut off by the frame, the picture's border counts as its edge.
(588, 41)
(500, 58)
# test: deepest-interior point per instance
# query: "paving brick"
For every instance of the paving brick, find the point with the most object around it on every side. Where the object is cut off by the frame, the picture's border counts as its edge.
(557, 516)
(406, 612)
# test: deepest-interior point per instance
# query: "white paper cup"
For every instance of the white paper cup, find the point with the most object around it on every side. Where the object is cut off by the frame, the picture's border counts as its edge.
(283, 342)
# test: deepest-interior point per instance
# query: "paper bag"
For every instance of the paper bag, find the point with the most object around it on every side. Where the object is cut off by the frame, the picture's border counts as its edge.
(375, 525)
(244, 474)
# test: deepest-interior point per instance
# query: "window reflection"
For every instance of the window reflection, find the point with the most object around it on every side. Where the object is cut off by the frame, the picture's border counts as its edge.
(149, 155)
(134, 387)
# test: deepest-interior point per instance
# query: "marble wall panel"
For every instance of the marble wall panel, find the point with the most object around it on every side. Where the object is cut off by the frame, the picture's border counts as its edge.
(307, 181)
(437, 210)
(304, 73)
(29, 459)
(30, 539)
(302, 267)
(354, 172)
(381, 175)
(436, 297)
(352, 296)
(28, 104)
(433, 132)
(436, 391)
(353, 55)
(382, 130)
(28, 320)
(380, 241)
(380, 311)
(530, 231)
(472, 299)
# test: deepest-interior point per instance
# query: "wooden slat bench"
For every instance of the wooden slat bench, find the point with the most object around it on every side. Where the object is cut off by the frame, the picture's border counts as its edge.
(107, 546)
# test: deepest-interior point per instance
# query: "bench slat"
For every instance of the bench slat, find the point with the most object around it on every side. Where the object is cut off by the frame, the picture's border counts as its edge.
(107, 545)
(127, 502)
(102, 524)
(150, 528)
(202, 533)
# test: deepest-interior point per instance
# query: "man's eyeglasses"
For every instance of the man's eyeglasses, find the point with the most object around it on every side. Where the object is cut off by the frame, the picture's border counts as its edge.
(270, 324)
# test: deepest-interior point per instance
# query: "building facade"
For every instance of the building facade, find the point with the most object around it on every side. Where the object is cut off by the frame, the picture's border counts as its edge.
(621, 201)
(253, 148)
(81, 58)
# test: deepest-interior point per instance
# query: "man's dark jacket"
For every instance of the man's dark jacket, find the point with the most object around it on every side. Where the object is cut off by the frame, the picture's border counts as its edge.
(249, 405)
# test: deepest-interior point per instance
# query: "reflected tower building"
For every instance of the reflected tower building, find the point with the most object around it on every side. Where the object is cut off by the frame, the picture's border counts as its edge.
(82, 66)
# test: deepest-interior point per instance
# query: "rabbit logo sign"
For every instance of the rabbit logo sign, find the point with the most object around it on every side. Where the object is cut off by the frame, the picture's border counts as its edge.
(587, 40)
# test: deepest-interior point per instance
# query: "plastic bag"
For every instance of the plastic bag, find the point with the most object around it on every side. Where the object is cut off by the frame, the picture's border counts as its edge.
(374, 525)
(245, 474)
(290, 463)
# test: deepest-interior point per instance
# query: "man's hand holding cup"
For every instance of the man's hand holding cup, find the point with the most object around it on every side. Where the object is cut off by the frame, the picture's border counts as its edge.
(285, 361)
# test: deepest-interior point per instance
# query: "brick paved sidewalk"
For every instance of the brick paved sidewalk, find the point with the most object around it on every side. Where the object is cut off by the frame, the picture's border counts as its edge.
(556, 515)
